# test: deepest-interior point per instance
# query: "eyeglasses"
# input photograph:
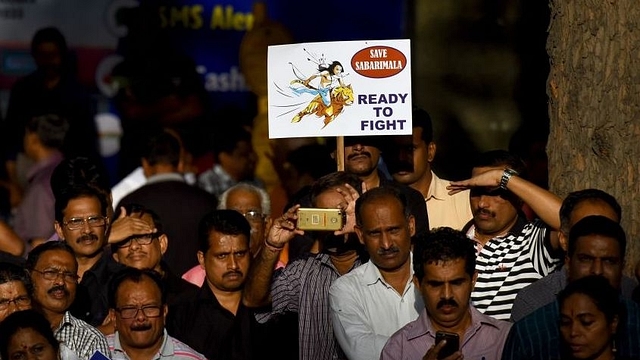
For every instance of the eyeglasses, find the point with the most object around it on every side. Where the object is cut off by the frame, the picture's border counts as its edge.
(130, 312)
(78, 223)
(53, 275)
(19, 301)
(140, 240)
(254, 215)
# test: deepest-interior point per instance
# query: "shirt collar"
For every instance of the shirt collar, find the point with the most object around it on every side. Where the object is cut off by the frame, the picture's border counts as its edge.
(371, 274)
(437, 188)
(425, 327)
(166, 349)
(172, 176)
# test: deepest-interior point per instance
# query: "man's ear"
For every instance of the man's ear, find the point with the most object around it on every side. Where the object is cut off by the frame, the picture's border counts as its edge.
(58, 227)
(431, 151)
(412, 225)
(201, 259)
(115, 257)
(563, 240)
(359, 233)
(163, 240)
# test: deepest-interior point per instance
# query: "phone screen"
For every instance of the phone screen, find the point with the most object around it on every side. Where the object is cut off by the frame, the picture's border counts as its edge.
(453, 343)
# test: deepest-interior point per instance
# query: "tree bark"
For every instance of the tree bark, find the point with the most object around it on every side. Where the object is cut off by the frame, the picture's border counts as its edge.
(594, 104)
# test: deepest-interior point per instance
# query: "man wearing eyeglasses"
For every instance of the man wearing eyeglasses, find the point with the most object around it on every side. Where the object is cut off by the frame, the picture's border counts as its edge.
(145, 252)
(53, 269)
(15, 286)
(82, 223)
(137, 301)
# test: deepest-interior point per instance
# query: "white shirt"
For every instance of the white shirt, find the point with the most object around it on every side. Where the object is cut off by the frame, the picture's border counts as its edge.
(131, 182)
(366, 311)
(444, 209)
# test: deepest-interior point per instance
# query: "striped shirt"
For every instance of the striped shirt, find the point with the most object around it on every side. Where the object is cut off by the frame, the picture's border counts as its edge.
(80, 337)
(509, 263)
(171, 348)
(303, 287)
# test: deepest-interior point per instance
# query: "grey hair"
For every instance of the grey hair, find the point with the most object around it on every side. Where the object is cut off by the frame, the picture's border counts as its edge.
(265, 201)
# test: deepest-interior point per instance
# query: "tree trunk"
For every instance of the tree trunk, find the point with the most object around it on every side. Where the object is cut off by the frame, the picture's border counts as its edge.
(594, 104)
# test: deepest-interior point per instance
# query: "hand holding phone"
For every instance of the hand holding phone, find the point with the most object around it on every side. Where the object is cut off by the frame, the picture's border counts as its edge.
(451, 346)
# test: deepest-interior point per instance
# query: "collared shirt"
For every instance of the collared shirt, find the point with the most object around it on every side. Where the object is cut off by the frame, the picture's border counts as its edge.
(447, 210)
(217, 333)
(91, 303)
(171, 348)
(34, 215)
(508, 263)
(216, 180)
(545, 290)
(366, 311)
(303, 287)
(82, 338)
(537, 335)
(483, 339)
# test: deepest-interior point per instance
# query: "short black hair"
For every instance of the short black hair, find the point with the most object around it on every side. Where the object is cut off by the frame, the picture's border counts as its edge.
(443, 244)
(63, 197)
(49, 34)
(227, 141)
(51, 130)
(79, 170)
(25, 319)
(225, 221)
(36, 252)
(11, 272)
(379, 193)
(135, 275)
(598, 288)
(597, 225)
(162, 148)
(574, 198)
(500, 157)
(421, 118)
(331, 180)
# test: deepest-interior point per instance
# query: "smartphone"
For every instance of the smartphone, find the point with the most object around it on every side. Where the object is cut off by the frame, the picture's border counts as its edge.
(453, 343)
(320, 219)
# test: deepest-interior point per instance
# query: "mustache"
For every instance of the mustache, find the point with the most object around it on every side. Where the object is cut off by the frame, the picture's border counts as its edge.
(59, 288)
(140, 327)
(366, 153)
(391, 250)
(445, 302)
(233, 273)
(92, 237)
(484, 211)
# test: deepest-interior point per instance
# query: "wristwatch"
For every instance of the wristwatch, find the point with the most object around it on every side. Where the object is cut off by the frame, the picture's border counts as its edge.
(506, 176)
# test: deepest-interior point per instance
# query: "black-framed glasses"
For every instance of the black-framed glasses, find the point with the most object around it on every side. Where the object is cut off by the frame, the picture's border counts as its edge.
(139, 239)
(129, 312)
(254, 215)
(23, 300)
(78, 223)
(51, 274)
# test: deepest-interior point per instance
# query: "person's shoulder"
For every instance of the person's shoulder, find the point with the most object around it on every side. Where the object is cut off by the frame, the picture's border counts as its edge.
(184, 351)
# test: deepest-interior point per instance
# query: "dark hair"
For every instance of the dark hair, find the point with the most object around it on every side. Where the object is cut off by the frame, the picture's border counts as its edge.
(501, 158)
(139, 211)
(227, 141)
(312, 159)
(443, 244)
(598, 288)
(331, 180)
(420, 118)
(225, 221)
(597, 225)
(330, 67)
(36, 252)
(25, 319)
(49, 34)
(79, 170)
(51, 129)
(162, 148)
(135, 275)
(74, 192)
(379, 193)
(575, 198)
(11, 272)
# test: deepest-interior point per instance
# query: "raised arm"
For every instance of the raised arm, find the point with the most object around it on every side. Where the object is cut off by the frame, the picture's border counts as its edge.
(257, 287)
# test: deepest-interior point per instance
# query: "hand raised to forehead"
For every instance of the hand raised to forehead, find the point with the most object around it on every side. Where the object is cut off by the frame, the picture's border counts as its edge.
(126, 226)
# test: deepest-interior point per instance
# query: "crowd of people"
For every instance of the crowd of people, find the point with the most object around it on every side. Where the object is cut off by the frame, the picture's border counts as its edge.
(182, 261)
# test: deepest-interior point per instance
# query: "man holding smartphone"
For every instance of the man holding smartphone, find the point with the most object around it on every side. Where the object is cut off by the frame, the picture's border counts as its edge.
(446, 273)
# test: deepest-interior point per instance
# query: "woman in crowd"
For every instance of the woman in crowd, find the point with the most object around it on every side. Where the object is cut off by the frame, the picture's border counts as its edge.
(27, 335)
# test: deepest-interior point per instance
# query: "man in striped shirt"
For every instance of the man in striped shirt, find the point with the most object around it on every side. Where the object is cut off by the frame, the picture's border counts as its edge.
(512, 251)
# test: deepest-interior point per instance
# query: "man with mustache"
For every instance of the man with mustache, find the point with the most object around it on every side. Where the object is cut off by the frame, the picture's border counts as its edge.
(215, 322)
(374, 300)
(53, 269)
(82, 223)
(446, 273)
(409, 158)
(302, 287)
(512, 252)
(138, 303)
